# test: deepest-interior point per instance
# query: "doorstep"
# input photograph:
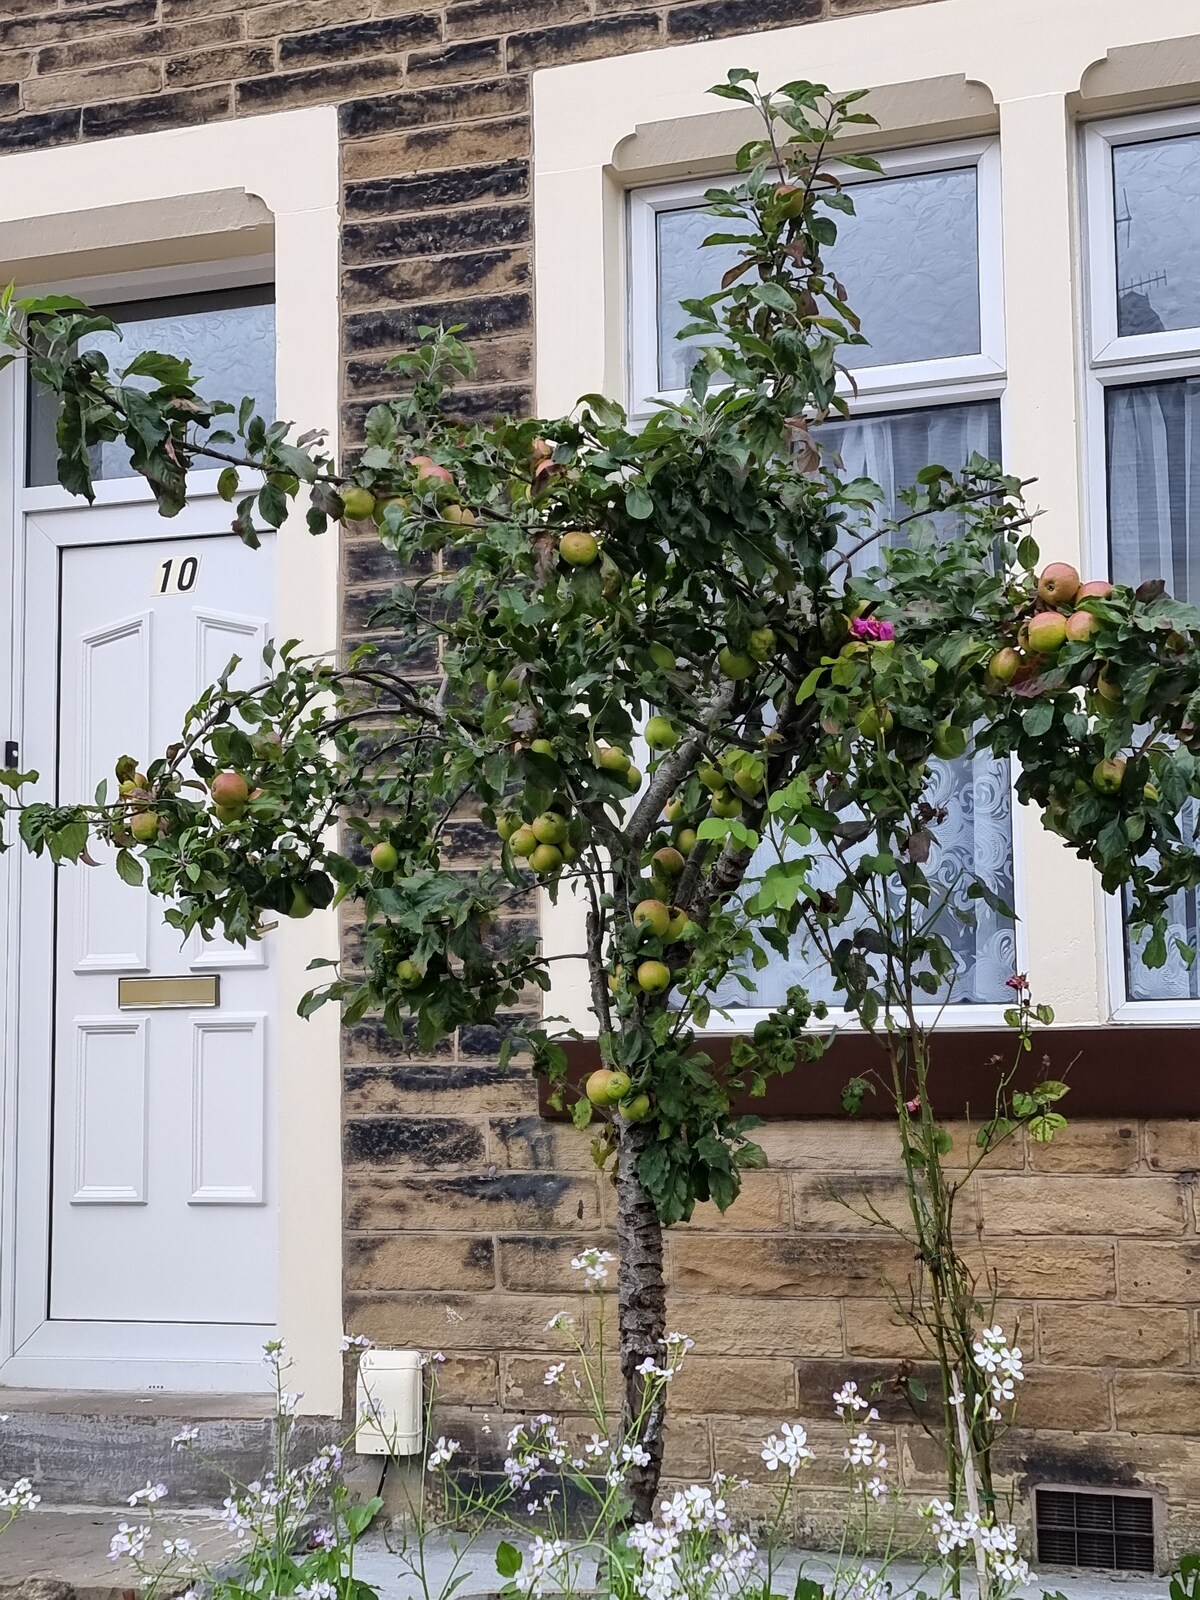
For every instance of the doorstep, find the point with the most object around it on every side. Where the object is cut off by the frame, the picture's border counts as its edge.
(63, 1554)
(95, 1448)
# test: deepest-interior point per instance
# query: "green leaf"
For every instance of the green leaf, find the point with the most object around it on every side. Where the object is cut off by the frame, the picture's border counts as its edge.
(129, 868)
(227, 483)
(638, 502)
(508, 1559)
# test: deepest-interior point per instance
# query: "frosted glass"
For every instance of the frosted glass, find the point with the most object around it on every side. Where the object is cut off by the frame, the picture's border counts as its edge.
(908, 260)
(229, 337)
(975, 840)
(1156, 195)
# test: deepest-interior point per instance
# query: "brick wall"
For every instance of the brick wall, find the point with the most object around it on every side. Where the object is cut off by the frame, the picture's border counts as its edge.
(462, 1208)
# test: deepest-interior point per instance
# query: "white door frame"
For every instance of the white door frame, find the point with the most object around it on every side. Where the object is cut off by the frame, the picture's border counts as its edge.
(301, 193)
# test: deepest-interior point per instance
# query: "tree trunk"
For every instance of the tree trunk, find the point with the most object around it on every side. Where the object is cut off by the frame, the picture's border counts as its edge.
(642, 1311)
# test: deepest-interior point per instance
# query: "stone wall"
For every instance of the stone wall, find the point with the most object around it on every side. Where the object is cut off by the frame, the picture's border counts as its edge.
(463, 1209)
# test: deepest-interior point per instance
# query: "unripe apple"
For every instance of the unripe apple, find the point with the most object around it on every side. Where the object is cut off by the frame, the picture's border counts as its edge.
(227, 813)
(724, 804)
(463, 515)
(229, 789)
(663, 657)
(542, 747)
(523, 842)
(611, 759)
(635, 1108)
(667, 862)
(1095, 589)
(1107, 775)
(748, 784)
(1004, 664)
(409, 974)
(1108, 688)
(579, 549)
(1058, 584)
(357, 503)
(301, 905)
(871, 724)
(546, 858)
(652, 916)
(1150, 793)
(633, 779)
(711, 777)
(143, 825)
(679, 921)
(734, 664)
(685, 841)
(674, 809)
(761, 644)
(653, 977)
(385, 857)
(660, 735)
(268, 745)
(949, 742)
(550, 828)
(1047, 632)
(1081, 625)
(599, 1086)
(507, 824)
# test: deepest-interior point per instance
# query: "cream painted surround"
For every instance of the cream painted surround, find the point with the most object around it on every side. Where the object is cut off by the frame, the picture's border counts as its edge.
(1033, 57)
(77, 204)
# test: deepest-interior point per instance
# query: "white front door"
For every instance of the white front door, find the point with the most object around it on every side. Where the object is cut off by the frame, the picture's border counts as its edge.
(161, 1180)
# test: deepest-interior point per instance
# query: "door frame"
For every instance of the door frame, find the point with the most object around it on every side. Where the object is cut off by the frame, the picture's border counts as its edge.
(149, 171)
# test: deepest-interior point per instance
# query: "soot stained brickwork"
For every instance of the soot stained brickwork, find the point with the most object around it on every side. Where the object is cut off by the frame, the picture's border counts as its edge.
(462, 1208)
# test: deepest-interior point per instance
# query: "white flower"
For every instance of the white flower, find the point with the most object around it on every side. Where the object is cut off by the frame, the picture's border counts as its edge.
(128, 1541)
(593, 1263)
(20, 1497)
(185, 1437)
(152, 1493)
(554, 1373)
(649, 1368)
(790, 1452)
(443, 1451)
(355, 1341)
(288, 1403)
(436, 1359)
(847, 1400)
(320, 1590)
(545, 1567)
(560, 1322)
(875, 1487)
(635, 1455)
(863, 1451)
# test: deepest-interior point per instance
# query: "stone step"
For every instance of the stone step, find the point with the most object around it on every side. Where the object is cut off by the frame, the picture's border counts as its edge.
(62, 1554)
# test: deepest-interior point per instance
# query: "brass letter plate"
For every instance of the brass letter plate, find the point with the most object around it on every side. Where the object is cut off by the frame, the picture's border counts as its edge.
(165, 994)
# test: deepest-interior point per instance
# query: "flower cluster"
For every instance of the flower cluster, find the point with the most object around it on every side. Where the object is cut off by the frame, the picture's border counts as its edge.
(545, 1568)
(20, 1497)
(996, 1540)
(693, 1549)
(593, 1263)
(443, 1452)
(872, 630)
(1003, 1367)
(791, 1451)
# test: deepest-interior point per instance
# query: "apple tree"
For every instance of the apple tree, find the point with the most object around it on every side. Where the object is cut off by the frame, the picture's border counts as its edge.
(685, 670)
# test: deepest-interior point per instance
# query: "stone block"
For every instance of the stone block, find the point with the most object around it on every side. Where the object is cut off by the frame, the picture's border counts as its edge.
(471, 1323)
(317, 85)
(541, 1263)
(479, 18)
(218, 66)
(413, 1144)
(1082, 1204)
(1157, 1402)
(584, 41)
(1088, 1147)
(721, 1325)
(426, 108)
(787, 1266)
(379, 36)
(503, 1202)
(717, 1386)
(715, 17)
(182, 108)
(1121, 1336)
(1159, 1273)
(407, 1261)
(1173, 1146)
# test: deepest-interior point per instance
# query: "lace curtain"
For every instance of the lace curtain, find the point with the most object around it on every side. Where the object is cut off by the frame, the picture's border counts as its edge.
(1154, 524)
(976, 838)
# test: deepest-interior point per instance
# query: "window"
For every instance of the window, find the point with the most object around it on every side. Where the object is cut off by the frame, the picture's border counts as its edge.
(228, 335)
(920, 260)
(1143, 237)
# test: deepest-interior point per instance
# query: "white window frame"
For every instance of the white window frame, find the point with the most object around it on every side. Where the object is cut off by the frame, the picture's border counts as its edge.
(1110, 361)
(947, 380)
(910, 386)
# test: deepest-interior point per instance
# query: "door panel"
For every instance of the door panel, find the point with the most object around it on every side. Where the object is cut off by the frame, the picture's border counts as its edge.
(163, 1183)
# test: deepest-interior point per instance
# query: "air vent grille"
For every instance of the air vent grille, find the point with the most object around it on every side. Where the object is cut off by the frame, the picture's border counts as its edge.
(1089, 1529)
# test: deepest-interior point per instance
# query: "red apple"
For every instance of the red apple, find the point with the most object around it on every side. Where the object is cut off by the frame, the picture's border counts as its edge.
(1058, 584)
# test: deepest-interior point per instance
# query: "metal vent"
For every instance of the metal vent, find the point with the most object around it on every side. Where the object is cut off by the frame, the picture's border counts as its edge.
(1089, 1529)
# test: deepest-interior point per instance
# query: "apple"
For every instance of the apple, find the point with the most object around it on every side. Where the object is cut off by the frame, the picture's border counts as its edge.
(546, 858)
(1096, 589)
(724, 804)
(679, 921)
(663, 657)
(357, 503)
(949, 742)
(409, 974)
(301, 905)
(385, 857)
(429, 472)
(523, 842)
(611, 759)
(463, 515)
(761, 644)
(227, 813)
(507, 824)
(668, 862)
(143, 825)
(1107, 775)
(1058, 584)
(711, 777)
(871, 725)
(633, 779)
(1004, 664)
(652, 916)
(268, 745)
(1108, 688)
(579, 549)
(660, 735)
(1047, 632)
(685, 841)
(381, 507)
(229, 789)
(636, 1108)
(734, 664)
(653, 977)
(1150, 793)
(549, 828)
(674, 809)
(543, 747)
(605, 1087)
(748, 784)
(1081, 625)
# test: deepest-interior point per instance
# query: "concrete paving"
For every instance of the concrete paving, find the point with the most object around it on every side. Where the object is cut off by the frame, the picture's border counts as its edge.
(63, 1555)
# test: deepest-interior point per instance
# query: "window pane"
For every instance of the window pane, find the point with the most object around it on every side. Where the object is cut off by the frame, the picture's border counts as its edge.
(908, 259)
(228, 336)
(1153, 433)
(1156, 196)
(976, 838)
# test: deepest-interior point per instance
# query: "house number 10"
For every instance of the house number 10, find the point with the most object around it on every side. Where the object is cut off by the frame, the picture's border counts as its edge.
(176, 576)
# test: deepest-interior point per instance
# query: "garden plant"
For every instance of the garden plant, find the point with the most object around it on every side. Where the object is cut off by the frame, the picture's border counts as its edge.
(690, 674)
